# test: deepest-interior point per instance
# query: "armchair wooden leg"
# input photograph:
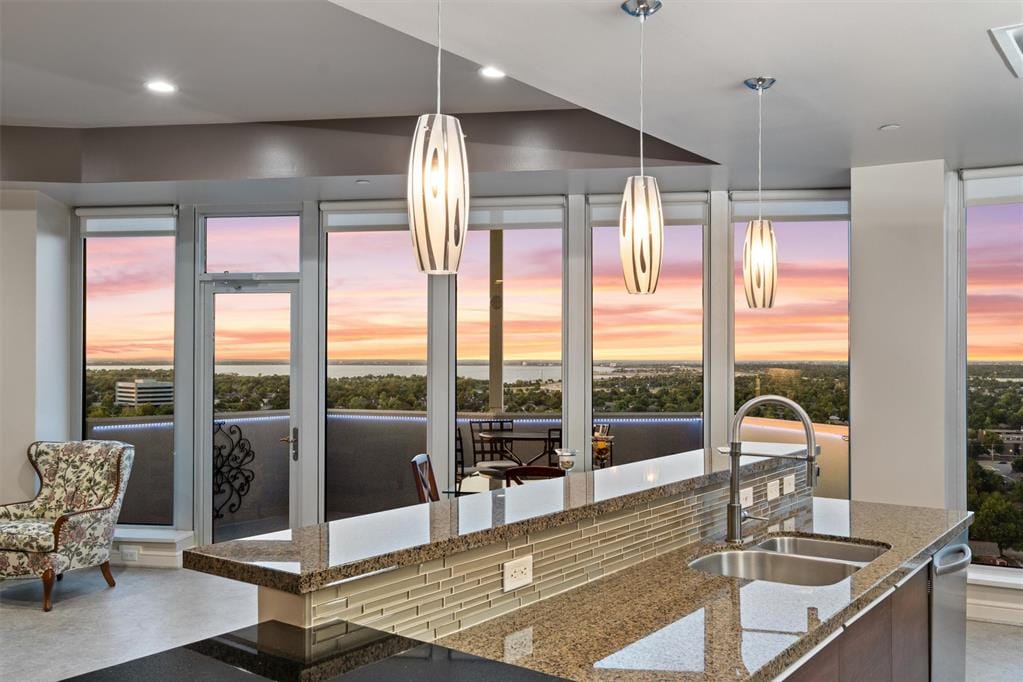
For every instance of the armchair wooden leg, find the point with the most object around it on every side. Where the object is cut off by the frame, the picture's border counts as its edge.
(105, 567)
(48, 580)
(60, 576)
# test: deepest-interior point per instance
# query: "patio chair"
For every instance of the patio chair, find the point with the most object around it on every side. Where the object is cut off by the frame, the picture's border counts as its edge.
(491, 452)
(69, 524)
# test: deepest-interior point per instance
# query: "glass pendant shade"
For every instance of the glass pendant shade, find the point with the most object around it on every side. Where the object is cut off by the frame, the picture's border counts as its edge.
(760, 264)
(438, 193)
(641, 234)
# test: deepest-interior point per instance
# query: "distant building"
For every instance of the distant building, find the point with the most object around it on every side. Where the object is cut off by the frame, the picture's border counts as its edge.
(142, 391)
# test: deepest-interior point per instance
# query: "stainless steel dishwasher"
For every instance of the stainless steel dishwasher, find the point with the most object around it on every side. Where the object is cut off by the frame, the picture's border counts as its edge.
(948, 611)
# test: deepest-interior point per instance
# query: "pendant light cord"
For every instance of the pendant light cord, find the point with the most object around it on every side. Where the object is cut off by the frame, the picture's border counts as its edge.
(642, 52)
(760, 152)
(438, 55)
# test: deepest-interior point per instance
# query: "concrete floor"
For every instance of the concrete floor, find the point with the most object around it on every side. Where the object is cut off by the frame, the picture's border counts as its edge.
(92, 626)
(151, 610)
(993, 652)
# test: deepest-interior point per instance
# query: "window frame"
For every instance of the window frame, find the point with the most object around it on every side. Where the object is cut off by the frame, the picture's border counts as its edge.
(681, 202)
(182, 233)
(984, 187)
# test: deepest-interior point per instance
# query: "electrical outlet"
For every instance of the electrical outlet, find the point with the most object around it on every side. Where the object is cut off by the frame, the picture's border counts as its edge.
(789, 484)
(518, 645)
(746, 497)
(773, 489)
(130, 552)
(518, 573)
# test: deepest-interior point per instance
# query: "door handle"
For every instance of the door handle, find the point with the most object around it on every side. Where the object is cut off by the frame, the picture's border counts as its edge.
(293, 442)
(952, 566)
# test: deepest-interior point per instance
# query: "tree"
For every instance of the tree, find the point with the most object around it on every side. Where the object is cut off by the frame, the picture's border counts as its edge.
(1000, 521)
(1017, 464)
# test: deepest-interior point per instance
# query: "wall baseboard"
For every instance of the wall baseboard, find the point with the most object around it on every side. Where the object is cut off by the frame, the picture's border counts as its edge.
(152, 547)
(994, 604)
(149, 558)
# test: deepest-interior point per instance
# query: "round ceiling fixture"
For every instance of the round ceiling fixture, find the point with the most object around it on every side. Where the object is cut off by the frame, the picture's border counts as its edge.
(889, 127)
(492, 72)
(161, 86)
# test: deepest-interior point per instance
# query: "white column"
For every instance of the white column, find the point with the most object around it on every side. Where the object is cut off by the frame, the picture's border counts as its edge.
(577, 332)
(312, 368)
(35, 350)
(907, 398)
(718, 340)
(184, 368)
(440, 379)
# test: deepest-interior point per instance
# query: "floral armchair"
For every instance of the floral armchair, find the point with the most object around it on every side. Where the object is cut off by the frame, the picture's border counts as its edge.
(70, 522)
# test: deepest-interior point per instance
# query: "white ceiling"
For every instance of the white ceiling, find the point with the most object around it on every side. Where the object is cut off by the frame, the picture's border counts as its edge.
(844, 67)
(83, 63)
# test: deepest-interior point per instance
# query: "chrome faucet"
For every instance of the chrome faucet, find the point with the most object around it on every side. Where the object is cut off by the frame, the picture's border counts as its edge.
(736, 514)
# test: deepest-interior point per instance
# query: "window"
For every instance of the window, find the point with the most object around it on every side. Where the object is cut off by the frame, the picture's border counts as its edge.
(252, 244)
(509, 319)
(376, 362)
(800, 347)
(994, 318)
(648, 349)
(128, 374)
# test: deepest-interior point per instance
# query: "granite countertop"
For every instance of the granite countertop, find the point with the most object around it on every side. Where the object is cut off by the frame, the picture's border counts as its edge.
(661, 620)
(304, 559)
(340, 651)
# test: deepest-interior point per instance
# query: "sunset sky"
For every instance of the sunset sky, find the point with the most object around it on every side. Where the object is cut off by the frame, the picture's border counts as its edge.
(377, 297)
(994, 282)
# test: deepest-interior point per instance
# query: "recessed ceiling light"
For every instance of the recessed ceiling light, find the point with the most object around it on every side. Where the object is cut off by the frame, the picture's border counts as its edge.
(491, 72)
(161, 86)
(889, 127)
(1009, 41)
(362, 181)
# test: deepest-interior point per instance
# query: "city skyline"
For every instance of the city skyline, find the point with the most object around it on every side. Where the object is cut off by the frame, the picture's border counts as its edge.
(376, 305)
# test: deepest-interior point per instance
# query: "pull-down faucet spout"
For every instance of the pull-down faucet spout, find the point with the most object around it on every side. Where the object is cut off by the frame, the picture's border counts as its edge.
(736, 515)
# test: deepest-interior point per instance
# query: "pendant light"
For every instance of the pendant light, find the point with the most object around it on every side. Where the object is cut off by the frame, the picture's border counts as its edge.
(760, 250)
(641, 223)
(438, 187)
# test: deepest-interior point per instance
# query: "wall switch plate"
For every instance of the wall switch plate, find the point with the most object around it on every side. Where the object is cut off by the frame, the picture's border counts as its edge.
(746, 497)
(789, 484)
(773, 489)
(130, 552)
(518, 645)
(518, 573)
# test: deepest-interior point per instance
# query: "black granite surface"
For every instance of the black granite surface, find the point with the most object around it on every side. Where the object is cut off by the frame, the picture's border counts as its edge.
(341, 651)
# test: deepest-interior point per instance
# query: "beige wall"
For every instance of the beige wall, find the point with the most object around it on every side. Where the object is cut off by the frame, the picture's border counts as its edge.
(901, 362)
(34, 332)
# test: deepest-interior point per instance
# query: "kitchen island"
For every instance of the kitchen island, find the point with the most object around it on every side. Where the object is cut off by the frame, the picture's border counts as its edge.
(612, 594)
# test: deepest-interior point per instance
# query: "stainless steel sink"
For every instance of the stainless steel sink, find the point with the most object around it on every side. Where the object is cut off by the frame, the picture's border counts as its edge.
(755, 564)
(827, 549)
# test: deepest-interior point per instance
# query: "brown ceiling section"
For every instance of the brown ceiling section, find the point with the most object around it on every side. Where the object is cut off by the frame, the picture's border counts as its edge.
(512, 141)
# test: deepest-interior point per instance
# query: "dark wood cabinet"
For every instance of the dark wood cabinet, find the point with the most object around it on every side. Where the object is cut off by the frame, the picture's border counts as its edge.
(911, 642)
(888, 643)
(866, 654)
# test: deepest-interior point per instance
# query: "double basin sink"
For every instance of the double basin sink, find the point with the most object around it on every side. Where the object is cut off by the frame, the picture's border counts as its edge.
(793, 560)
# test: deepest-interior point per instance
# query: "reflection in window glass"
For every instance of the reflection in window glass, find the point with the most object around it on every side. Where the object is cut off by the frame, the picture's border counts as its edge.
(800, 348)
(129, 364)
(376, 371)
(648, 350)
(252, 244)
(994, 319)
